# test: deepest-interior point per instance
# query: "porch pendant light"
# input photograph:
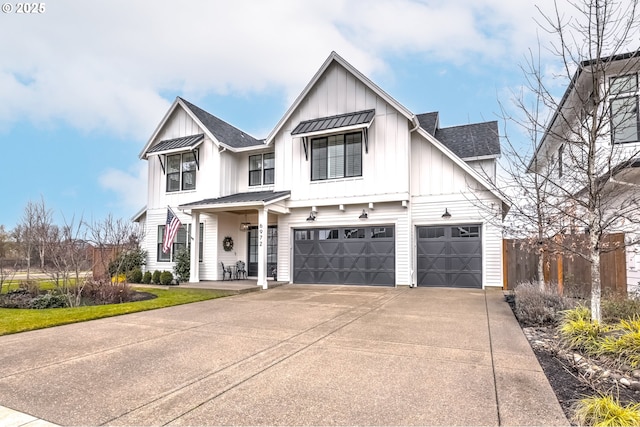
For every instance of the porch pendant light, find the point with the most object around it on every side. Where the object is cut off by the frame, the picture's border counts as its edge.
(244, 226)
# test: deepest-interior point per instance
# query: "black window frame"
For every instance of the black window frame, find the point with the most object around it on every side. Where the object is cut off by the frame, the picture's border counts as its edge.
(629, 97)
(188, 167)
(266, 175)
(185, 230)
(348, 162)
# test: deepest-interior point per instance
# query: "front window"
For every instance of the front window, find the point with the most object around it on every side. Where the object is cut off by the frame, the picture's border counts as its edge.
(336, 156)
(261, 169)
(181, 172)
(625, 121)
(181, 241)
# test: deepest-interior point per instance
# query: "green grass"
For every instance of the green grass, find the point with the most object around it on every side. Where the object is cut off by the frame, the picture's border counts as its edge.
(13, 320)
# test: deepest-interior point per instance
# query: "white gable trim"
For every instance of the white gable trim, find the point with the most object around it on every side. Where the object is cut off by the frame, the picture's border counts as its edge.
(371, 85)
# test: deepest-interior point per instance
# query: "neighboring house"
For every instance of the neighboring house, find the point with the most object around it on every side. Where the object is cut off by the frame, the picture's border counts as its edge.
(561, 155)
(350, 187)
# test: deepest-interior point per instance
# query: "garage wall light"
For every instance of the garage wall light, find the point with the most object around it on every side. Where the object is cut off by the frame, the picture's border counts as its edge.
(364, 215)
(312, 216)
(446, 214)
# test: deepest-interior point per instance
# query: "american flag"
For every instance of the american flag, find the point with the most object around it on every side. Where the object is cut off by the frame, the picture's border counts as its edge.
(170, 230)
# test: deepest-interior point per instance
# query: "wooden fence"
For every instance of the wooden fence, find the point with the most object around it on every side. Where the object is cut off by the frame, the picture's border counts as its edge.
(570, 272)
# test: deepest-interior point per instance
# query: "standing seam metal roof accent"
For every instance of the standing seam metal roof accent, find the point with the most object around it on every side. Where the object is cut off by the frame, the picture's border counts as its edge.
(334, 122)
(170, 144)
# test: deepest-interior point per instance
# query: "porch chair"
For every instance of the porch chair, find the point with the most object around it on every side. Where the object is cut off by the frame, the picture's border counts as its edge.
(226, 271)
(240, 270)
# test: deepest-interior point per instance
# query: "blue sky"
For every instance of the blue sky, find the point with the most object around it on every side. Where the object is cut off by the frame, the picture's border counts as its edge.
(84, 84)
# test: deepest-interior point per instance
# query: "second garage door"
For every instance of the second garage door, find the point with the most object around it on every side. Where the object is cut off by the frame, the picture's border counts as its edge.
(344, 255)
(450, 256)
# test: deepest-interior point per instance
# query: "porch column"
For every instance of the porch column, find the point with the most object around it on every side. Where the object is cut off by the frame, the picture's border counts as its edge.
(263, 215)
(194, 270)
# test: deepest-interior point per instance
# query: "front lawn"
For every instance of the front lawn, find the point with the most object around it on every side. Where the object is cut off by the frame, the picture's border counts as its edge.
(14, 320)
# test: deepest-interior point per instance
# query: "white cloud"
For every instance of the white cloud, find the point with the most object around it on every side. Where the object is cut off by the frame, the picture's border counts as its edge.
(130, 187)
(103, 65)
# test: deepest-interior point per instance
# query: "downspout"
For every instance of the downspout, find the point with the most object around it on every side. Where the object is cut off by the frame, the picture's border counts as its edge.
(412, 252)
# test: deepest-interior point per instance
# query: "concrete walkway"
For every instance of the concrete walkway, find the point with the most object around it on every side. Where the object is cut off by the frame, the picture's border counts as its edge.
(294, 355)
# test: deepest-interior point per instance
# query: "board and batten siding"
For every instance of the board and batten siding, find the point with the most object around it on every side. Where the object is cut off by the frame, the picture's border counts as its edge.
(331, 216)
(384, 166)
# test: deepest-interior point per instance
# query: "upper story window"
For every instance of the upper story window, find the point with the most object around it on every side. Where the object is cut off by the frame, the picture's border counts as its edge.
(625, 122)
(261, 169)
(181, 172)
(336, 156)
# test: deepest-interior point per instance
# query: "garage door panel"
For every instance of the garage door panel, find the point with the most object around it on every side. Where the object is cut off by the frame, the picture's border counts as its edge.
(449, 256)
(349, 255)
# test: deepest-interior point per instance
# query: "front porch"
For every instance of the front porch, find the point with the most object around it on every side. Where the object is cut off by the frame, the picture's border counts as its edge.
(232, 286)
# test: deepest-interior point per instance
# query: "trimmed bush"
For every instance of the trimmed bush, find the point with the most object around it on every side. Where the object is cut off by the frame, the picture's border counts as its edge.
(146, 277)
(539, 307)
(155, 278)
(49, 300)
(134, 276)
(166, 277)
(127, 261)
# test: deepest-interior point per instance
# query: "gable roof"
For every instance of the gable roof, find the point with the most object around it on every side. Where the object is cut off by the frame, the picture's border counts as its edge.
(223, 131)
(219, 131)
(335, 58)
(429, 121)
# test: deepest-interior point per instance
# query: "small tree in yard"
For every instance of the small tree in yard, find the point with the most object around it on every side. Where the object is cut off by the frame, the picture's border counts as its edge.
(182, 267)
(7, 271)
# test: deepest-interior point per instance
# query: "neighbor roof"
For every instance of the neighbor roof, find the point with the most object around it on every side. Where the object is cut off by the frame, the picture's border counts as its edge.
(334, 122)
(223, 131)
(466, 141)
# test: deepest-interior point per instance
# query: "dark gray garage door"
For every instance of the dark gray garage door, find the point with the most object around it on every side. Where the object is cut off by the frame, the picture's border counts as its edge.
(450, 256)
(344, 255)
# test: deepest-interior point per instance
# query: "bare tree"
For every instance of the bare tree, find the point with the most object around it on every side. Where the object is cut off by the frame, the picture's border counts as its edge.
(578, 170)
(8, 266)
(34, 231)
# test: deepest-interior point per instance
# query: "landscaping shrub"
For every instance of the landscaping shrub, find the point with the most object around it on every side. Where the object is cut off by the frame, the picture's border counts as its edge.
(120, 278)
(538, 307)
(580, 332)
(182, 267)
(155, 278)
(16, 298)
(606, 411)
(103, 292)
(127, 261)
(49, 300)
(31, 287)
(146, 278)
(615, 309)
(166, 277)
(134, 276)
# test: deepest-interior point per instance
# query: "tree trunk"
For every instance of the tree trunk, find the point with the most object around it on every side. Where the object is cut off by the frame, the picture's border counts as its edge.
(541, 269)
(596, 291)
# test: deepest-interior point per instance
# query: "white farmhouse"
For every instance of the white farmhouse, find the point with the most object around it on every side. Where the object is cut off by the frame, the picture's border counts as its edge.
(350, 187)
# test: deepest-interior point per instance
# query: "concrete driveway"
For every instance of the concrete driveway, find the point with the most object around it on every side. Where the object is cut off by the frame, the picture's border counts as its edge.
(295, 355)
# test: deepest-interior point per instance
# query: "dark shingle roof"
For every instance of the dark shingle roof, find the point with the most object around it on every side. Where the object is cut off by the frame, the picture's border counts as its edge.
(474, 140)
(170, 144)
(428, 122)
(223, 131)
(466, 141)
(334, 122)
(251, 196)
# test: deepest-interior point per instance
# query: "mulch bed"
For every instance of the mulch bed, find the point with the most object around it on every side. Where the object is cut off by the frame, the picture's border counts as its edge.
(572, 376)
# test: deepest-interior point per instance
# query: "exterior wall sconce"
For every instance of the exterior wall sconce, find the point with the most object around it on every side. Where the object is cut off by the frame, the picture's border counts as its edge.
(446, 214)
(364, 215)
(312, 216)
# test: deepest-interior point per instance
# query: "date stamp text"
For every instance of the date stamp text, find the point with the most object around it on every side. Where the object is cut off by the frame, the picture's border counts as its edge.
(24, 8)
